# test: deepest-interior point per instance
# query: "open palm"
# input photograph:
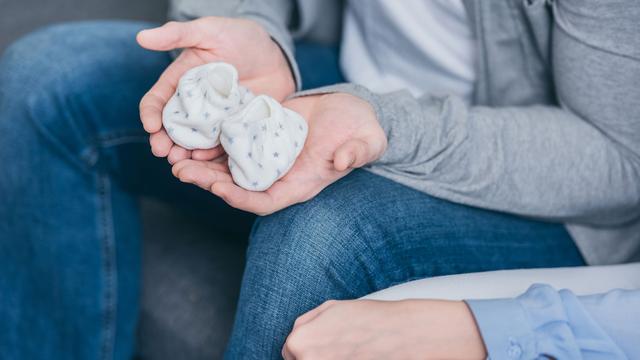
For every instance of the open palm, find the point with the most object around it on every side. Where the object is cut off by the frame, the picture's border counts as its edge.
(343, 134)
(261, 65)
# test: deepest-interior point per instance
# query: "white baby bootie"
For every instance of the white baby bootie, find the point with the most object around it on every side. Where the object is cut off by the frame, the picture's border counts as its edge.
(262, 138)
(206, 96)
(263, 141)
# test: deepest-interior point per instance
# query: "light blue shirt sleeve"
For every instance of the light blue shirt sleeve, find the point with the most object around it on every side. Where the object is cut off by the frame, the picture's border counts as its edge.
(544, 322)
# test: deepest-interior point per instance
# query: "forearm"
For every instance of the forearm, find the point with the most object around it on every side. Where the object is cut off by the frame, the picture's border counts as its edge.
(575, 161)
(539, 161)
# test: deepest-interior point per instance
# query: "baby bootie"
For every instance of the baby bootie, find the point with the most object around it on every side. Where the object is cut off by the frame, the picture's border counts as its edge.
(206, 95)
(263, 141)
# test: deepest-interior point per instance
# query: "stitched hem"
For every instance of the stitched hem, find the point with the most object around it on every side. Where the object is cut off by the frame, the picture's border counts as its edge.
(109, 269)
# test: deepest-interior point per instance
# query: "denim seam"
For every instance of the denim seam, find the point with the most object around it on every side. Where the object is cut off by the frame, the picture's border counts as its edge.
(120, 138)
(90, 154)
(109, 269)
(87, 156)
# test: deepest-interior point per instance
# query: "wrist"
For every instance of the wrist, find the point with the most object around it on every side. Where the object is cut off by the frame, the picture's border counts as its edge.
(303, 105)
(282, 45)
(287, 69)
(449, 329)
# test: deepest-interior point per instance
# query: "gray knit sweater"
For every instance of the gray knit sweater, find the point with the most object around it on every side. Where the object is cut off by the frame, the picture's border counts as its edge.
(554, 129)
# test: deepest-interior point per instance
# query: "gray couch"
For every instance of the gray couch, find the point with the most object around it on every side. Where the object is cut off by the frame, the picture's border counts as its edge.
(191, 274)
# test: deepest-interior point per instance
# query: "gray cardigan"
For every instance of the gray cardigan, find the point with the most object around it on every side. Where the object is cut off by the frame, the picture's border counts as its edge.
(554, 129)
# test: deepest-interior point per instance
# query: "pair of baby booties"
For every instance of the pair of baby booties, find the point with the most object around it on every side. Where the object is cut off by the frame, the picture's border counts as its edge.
(261, 138)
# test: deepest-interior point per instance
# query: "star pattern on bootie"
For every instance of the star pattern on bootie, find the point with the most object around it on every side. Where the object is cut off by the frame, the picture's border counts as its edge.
(262, 141)
(261, 137)
(206, 95)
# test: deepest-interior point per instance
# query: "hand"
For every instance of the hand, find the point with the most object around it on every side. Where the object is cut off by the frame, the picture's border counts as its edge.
(343, 134)
(367, 329)
(262, 67)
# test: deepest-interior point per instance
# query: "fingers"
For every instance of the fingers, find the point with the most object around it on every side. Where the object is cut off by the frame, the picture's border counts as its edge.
(211, 165)
(214, 177)
(287, 350)
(151, 107)
(157, 97)
(208, 154)
(260, 203)
(200, 173)
(160, 143)
(350, 155)
(178, 153)
(172, 35)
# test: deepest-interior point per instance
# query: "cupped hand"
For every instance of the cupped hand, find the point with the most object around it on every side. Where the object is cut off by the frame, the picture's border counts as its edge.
(344, 134)
(368, 329)
(262, 67)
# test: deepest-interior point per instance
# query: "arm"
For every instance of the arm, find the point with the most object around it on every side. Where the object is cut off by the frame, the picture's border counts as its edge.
(558, 324)
(577, 162)
(540, 323)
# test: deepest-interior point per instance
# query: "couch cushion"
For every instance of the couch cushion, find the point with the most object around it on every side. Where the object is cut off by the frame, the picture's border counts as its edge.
(511, 283)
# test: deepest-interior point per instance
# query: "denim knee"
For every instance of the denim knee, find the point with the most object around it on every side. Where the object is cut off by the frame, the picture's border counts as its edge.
(36, 77)
(315, 246)
(54, 80)
(45, 62)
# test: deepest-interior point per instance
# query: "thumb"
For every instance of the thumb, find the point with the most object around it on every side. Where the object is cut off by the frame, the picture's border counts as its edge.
(352, 154)
(171, 35)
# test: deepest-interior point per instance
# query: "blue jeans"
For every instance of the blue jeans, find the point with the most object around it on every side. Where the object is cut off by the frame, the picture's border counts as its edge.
(75, 158)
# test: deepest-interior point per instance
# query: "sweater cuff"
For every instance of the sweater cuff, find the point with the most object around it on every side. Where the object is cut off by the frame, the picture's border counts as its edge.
(505, 328)
(399, 115)
(348, 88)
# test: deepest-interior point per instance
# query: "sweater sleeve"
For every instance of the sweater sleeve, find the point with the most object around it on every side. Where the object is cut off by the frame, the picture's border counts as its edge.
(545, 323)
(576, 162)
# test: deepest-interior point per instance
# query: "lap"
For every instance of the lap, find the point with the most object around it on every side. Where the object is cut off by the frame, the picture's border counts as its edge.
(376, 233)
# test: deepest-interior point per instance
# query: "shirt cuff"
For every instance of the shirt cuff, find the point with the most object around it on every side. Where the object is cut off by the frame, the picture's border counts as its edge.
(505, 328)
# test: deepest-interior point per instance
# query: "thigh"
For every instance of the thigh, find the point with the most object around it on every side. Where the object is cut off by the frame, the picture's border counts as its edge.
(371, 233)
(411, 235)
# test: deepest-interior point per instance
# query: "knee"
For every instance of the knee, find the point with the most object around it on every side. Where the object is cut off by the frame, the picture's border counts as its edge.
(321, 243)
(313, 230)
(36, 77)
(50, 80)
(36, 63)
(32, 74)
(59, 61)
